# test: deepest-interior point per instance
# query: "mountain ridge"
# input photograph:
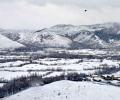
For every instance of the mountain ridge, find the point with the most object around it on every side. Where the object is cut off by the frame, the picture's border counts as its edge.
(97, 36)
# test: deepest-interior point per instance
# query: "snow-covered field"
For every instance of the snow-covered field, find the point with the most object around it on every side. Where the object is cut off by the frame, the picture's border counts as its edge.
(15, 66)
(89, 54)
(12, 64)
(7, 75)
(13, 69)
(88, 66)
(68, 90)
(1, 84)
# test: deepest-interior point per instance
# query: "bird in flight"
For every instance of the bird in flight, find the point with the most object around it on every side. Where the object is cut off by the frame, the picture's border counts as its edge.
(85, 10)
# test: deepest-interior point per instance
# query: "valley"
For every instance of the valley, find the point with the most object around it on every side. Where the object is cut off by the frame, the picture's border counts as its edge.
(65, 60)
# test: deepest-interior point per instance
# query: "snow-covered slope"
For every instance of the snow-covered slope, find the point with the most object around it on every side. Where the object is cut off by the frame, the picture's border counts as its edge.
(67, 90)
(6, 43)
(1, 30)
(69, 36)
(42, 40)
(88, 36)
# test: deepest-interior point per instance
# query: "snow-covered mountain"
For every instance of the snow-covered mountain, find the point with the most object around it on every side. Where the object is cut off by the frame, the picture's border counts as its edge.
(67, 90)
(42, 40)
(68, 36)
(6, 43)
(1, 30)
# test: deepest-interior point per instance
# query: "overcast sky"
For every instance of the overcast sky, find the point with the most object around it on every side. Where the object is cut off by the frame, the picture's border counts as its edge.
(37, 14)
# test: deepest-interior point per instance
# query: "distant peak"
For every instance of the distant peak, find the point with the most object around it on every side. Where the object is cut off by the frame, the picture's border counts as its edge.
(63, 25)
(1, 29)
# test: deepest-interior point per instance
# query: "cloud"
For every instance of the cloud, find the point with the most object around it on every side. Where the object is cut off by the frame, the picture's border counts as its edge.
(36, 14)
(78, 3)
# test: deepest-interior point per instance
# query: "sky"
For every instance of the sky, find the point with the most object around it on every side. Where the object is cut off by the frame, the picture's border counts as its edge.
(37, 14)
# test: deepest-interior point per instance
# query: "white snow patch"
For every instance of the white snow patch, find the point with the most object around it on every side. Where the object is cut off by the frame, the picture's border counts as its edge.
(67, 90)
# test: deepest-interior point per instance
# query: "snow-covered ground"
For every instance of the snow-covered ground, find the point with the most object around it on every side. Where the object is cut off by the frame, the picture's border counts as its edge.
(117, 74)
(12, 64)
(95, 63)
(11, 75)
(15, 65)
(6, 43)
(69, 64)
(1, 84)
(10, 70)
(68, 90)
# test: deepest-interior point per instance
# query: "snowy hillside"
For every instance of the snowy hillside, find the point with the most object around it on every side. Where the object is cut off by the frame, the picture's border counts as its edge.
(38, 40)
(69, 36)
(90, 36)
(6, 43)
(1, 30)
(68, 90)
